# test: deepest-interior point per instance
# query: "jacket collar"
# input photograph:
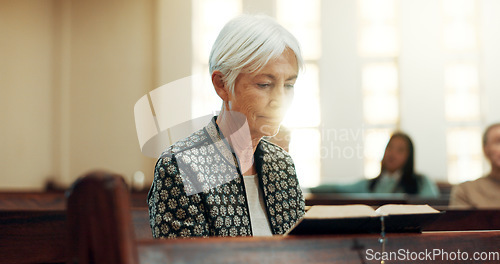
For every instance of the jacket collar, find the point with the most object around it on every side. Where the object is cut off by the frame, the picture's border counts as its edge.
(220, 142)
(226, 150)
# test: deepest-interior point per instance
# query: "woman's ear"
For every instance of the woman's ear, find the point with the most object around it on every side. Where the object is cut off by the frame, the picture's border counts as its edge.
(220, 87)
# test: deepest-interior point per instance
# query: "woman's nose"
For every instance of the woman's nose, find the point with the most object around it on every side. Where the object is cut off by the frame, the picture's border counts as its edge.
(279, 95)
(277, 98)
(275, 103)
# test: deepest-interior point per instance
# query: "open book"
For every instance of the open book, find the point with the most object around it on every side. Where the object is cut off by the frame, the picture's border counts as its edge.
(358, 218)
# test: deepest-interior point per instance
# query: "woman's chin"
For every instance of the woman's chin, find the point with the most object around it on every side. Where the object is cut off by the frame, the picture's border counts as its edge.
(269, 130)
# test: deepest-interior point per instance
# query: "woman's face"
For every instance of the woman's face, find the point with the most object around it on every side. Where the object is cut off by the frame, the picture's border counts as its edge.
(264, 96)
(396, 154)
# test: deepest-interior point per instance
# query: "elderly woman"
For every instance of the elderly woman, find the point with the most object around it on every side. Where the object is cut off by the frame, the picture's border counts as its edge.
(225, 179)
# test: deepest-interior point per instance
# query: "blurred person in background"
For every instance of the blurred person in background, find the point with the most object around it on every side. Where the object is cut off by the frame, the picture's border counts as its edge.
(485, 191)
(397, 174)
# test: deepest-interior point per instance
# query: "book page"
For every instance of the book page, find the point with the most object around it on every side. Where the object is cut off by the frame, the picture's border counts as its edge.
(339, 211)
(395, 209)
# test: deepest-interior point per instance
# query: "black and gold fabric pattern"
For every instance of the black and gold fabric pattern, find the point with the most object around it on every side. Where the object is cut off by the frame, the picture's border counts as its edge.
(198, 188)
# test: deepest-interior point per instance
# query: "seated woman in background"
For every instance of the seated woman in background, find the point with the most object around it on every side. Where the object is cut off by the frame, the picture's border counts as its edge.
(397, 174)
(225, 179)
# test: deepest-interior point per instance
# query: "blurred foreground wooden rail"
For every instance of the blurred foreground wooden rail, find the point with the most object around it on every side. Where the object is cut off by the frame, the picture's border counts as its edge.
(319, 249)
(109, 230)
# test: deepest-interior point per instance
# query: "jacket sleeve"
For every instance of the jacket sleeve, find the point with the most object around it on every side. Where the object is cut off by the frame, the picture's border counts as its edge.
(172, 213)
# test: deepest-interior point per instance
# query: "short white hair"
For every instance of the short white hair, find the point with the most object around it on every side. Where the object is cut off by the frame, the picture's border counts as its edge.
(249, 42)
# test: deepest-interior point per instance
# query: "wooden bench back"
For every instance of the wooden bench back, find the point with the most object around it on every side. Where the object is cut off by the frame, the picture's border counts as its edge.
(99, 228)
(99, 221)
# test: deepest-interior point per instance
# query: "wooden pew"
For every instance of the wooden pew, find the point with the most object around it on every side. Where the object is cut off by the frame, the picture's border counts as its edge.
(318, 249)
(466, 220)
(32, 201)
(37, 235)
(370, 199)
(33, 236)
(33, 226)
(341, 199)
(57, 200)
(112, 241)
(100, 222)
(52, 200)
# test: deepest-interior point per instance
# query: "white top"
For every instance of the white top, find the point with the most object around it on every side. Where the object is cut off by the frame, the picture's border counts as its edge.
(258, 215)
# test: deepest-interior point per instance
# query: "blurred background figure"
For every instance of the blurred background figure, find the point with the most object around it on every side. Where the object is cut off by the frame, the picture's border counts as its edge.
(483, 192)
(397, 174)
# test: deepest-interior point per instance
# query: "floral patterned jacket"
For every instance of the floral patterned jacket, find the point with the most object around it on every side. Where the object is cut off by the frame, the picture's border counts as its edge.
(198, 189)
